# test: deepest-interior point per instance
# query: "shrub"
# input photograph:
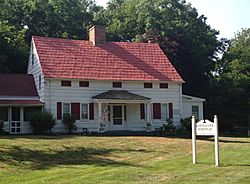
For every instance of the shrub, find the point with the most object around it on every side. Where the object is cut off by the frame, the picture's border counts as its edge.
(186, 124)
(169, 126)
(186, 127)
(42, 121)
(69, 121)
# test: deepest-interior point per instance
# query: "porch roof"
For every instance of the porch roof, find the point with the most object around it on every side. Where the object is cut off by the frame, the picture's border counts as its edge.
(21, 102)
(18, 85)
(120, 95)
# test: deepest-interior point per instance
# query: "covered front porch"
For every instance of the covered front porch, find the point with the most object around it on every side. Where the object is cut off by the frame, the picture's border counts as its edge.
(16, 115)
(120, 110)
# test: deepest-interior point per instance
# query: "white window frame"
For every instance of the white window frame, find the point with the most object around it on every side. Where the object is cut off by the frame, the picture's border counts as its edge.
(63, 108)
(84, 119)
(15, 127)
(164, 111)
(194, 113)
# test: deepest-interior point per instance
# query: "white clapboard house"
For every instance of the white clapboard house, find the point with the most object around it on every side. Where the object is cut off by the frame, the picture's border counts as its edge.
(108, 86)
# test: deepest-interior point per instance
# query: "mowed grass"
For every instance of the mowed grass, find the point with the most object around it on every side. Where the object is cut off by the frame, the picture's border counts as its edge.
(79, 159)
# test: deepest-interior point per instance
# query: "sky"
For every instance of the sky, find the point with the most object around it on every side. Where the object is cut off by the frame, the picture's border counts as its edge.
(226, 16)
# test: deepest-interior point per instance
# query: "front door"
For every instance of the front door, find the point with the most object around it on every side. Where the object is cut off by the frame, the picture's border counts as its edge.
(117, 117)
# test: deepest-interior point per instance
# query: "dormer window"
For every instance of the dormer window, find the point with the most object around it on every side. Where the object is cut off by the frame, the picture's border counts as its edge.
(83, 83)
(66, 83)
(117, 85)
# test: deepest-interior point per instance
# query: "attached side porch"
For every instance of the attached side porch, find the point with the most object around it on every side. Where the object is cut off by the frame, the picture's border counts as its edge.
(16, 115)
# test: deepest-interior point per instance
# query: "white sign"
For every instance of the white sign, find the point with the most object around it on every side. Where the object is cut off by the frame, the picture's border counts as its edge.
(206, 127)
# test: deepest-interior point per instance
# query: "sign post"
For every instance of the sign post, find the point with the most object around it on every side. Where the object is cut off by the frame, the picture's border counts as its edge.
(216, 141)
(206, 128)
(194, 139)
(248, 131)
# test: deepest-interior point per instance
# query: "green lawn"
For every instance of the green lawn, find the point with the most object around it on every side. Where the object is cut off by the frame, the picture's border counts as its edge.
(79, 159)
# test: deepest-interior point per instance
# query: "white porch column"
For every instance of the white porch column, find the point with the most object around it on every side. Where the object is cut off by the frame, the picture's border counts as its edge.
(99, 114)
(148, 112)
(21, 114)
(9, 117)
(21, 118)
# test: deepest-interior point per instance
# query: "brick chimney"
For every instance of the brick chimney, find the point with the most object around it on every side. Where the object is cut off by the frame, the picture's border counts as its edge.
(97, 35)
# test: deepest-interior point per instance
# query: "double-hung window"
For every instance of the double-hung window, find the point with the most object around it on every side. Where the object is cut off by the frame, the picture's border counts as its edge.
(66, 109)
(85, 111)
(195, 111)
(164, 111)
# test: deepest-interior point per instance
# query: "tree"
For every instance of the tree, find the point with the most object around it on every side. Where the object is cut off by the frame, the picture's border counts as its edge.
(13, 48)
(232, 85)
(20, 19)
(186, 39)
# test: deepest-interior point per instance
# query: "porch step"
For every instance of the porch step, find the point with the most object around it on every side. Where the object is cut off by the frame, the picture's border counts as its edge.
(127, 133)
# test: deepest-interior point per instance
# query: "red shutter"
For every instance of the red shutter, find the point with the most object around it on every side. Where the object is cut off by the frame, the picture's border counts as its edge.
(75, 110)
(142, 107)
(59, 110)
(156, 110)
(91, 111)
(170, 110)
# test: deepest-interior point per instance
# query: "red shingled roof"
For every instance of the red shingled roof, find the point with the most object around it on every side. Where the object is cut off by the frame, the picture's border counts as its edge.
(17, 85)
(21, 102)
(79, 59)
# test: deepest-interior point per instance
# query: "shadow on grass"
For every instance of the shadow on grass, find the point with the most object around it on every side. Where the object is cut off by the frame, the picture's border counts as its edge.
(223, 140)
(31, 136)
(233, 165)
(211, 139)
(37, 159)
(222, 164)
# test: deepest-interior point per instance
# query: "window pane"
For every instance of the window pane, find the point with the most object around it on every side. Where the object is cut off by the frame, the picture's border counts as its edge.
(117, 84)
(66, 108)
(117, 111)
(148, 85)
(28, 111)
(164, 112)
(163, 85)
(84, 83)
(66, 83)
(85, 111)
(15, 113)
(4, 113)
(195, 111)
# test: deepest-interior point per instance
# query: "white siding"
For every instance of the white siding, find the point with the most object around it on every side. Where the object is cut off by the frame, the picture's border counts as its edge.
(54, 93)
(187, 108)
(35, 69)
